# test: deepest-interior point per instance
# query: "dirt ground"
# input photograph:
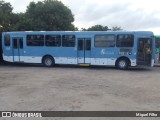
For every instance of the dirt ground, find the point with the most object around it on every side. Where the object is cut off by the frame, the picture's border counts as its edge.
(73, 88)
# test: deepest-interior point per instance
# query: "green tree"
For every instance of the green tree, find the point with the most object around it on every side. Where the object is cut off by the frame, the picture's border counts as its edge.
(20, 22)
(116, 28)
(5, 15)
(97, 28)
(49, 15)
(84, 29)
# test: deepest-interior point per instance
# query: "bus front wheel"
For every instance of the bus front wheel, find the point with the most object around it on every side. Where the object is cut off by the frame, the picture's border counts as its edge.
(122, 64)
(48, 61)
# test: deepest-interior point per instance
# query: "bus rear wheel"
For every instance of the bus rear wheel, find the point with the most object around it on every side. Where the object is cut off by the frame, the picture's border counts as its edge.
(48, 61)
(122, 64)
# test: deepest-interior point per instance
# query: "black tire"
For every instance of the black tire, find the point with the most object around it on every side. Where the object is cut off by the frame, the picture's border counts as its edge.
(122, 64)
(48, 61)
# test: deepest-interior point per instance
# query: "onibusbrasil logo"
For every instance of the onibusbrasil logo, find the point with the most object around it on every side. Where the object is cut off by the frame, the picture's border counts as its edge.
(21, 114)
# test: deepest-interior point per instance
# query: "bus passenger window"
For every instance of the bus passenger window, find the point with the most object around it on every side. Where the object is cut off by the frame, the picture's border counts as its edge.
(35, 40)
(53, 40)
(104, 41)
(125, 40)
(68, 40)
(7, 40)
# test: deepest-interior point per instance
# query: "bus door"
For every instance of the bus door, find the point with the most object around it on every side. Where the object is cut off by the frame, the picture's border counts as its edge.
(1, 58)
(157, 54)
(17, 49)
(84, 50)
(144, 54)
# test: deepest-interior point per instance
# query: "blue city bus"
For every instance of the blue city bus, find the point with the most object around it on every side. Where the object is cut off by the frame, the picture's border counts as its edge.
(122, 49)
(157, 45)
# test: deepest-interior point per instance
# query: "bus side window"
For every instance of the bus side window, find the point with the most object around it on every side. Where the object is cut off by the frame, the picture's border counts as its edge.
(53, 40)
(125, 40)
(7, 40)
(68, 40)
(107, 40)
(35, 40)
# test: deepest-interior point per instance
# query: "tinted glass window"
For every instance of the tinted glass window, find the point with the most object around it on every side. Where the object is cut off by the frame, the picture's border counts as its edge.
(53, 40)
(104, 41)
(7, 40)
(15, 44)
(68, 40)
(35, 40)
(80, 44)
(125, 40)
(88, 44)
(21, 43)
(157, 42)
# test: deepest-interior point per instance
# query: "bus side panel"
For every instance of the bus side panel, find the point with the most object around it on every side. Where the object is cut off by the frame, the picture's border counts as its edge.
(103, 56)
(61, 55)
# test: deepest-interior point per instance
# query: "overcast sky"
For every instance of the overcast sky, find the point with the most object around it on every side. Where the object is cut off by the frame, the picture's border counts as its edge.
(128, 14)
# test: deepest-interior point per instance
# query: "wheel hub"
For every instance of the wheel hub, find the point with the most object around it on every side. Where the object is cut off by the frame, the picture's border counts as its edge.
(122, 64)
(48, 62)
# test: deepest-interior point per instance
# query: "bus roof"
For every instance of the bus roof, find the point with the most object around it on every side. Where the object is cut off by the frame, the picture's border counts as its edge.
(81, 32)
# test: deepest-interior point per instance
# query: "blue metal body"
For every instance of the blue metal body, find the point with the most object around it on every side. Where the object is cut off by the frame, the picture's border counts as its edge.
(72, 55)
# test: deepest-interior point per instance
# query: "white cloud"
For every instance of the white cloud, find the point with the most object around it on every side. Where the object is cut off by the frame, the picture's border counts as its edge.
(129, 14)
(20, 5)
